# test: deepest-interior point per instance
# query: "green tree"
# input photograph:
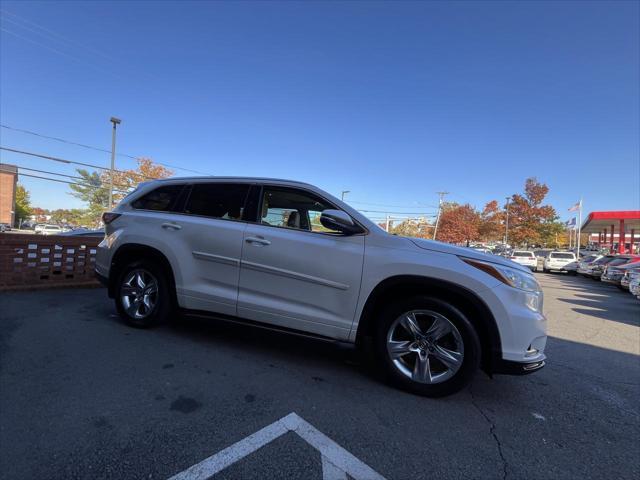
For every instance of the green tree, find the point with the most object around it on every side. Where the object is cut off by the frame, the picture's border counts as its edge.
(23, 204)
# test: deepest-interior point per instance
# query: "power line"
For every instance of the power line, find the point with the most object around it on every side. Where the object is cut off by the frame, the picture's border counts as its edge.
(59, 52)
(67, 182)
(391, 206)
(47, 32)
(64, 175)
(68, 162)
(426, 214)
(98, 149)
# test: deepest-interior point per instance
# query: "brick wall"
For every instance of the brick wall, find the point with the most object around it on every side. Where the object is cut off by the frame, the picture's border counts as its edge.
(41, 261)
(8, 178)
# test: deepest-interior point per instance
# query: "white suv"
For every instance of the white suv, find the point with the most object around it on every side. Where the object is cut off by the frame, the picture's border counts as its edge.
(290, 256)
(525, 258)
(561, 262)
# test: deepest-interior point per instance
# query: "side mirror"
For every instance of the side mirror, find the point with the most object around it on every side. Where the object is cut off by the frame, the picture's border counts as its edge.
(340, 221)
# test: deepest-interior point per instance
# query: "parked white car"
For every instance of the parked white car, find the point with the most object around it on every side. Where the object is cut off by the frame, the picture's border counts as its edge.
(289, 256)
(525, 258)
(50, 230)
(559, 261)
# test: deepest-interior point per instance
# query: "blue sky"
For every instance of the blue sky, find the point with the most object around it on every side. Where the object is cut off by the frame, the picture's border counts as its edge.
(392, 101)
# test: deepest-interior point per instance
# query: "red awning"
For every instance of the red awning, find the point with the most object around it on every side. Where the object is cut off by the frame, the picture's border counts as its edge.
(597, 221)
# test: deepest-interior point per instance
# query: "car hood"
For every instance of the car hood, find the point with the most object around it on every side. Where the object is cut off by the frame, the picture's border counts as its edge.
(465, 252)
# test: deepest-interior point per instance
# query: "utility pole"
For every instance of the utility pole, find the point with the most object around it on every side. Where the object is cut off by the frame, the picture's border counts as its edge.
(387, 224)
(115, 121)
(344, 192)
(441, 195)
(506, 225)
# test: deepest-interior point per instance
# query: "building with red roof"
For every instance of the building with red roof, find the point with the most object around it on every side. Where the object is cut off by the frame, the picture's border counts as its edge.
(607, 227)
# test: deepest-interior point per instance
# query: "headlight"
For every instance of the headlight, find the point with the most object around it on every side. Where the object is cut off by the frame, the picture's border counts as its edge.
(510, 276)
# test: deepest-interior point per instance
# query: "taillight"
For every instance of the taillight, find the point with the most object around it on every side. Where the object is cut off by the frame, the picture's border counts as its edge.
(108, 217)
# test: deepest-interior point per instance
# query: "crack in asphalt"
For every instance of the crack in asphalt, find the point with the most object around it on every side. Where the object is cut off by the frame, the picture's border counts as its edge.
(492, 431)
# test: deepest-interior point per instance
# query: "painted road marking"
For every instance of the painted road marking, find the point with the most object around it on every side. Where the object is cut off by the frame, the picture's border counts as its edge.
(337, 463)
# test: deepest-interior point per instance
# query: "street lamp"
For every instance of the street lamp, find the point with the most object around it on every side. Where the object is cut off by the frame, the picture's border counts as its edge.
(115, 121)
(344, 192)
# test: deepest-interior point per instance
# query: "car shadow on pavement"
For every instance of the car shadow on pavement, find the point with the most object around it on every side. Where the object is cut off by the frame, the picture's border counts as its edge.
(603, 301)
(247, 337)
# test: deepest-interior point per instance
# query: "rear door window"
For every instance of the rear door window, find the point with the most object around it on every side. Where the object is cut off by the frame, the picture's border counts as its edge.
(163, 199)
(217, 200)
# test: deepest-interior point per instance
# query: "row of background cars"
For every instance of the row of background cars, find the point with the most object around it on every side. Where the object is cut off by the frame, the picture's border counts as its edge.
(545, 260)
(623, 271)
(54, 229)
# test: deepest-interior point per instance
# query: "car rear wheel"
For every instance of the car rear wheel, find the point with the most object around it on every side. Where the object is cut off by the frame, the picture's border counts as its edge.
(426, 346)
(142, 297)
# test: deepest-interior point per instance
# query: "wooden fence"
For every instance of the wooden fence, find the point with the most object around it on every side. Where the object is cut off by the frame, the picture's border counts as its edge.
(44, 261)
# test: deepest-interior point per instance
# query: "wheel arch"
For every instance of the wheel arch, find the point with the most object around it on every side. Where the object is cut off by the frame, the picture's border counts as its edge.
(130, 252)
(474, 308)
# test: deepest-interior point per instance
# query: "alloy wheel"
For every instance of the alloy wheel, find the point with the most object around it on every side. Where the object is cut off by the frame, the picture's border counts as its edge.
(425, 346)
(139, 293)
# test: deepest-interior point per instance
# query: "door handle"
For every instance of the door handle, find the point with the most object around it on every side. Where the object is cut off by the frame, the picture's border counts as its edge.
(172, 226)
(257, 241)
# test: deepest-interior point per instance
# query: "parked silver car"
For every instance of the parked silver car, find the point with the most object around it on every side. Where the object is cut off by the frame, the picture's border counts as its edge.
(289, 256)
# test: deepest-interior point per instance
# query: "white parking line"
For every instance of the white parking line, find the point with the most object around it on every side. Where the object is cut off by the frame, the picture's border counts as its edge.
(337, 463)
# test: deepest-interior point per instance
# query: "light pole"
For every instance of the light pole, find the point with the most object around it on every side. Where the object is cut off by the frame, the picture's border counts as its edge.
(344, 192)
(115, 121)
(441, 195)
(506, 225)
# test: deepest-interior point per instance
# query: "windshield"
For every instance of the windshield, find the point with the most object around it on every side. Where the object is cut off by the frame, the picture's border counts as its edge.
(603, 260)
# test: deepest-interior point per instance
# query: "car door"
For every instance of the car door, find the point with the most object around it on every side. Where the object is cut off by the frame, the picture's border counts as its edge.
(207, 236)
(294, 272)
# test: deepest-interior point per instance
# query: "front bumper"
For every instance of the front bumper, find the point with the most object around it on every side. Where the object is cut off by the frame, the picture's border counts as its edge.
(509, 367)
(615, 280)
(523, 330)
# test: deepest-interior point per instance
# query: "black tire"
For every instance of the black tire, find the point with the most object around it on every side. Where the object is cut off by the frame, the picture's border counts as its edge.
(534, 269)
(471, 344)
(163, 305)
(545, 270)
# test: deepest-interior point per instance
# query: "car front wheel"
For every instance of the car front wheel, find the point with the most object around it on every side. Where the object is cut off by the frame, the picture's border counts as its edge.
(427, 346)
(142, 298)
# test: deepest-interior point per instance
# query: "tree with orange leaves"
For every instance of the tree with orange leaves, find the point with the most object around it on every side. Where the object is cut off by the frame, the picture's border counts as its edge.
(491, 222)
(528, 218)
(458, 224)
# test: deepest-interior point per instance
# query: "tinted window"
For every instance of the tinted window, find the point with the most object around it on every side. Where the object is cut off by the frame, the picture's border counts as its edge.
(217, 200)
(161, 199)
(563, 255)
(291, 208)
(618, 261)
(523, 254)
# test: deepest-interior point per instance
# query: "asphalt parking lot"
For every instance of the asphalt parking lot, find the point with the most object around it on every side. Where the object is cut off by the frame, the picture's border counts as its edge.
(84, 396)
